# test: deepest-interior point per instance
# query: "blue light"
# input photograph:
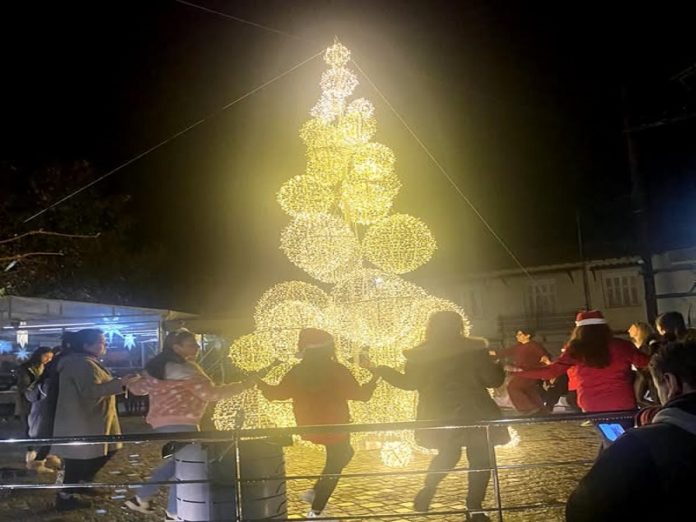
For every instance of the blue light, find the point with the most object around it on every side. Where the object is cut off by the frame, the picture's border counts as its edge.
(129, 341)
(5, 347)
(22, 354)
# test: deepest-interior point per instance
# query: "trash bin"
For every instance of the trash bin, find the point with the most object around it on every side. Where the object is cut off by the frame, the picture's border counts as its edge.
(216, 500)
(263, 499)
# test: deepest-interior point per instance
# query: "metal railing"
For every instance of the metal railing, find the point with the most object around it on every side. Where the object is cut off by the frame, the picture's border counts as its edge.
(234, 437)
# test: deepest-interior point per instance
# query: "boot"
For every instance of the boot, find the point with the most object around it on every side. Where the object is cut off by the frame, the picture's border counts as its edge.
(29, 457)
(39, 466)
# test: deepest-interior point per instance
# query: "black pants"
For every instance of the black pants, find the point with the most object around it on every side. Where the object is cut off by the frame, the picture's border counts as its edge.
(338, 455)
(448, 455)
(83, 470)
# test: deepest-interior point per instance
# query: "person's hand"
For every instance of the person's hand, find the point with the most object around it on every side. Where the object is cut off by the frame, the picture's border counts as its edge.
(127, 380)
(365, 362)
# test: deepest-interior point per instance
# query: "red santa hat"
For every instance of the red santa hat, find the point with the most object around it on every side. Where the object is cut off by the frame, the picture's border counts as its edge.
(314, 338)
(589, 317)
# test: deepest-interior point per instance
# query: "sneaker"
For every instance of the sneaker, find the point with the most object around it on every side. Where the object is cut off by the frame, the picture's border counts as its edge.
(423, 499)
(70, 503)
(39, 466)
(314, 514)
(139, 505)
(170, 516)
(307, 496)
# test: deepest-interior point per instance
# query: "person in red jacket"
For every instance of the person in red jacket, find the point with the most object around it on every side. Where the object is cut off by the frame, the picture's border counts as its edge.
(601, 365)
(320, 388)
(527, 354)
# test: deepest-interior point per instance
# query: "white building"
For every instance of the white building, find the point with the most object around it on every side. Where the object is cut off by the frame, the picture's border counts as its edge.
(500, 302)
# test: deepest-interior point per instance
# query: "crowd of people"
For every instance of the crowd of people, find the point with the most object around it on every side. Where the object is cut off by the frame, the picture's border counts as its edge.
(67, 391)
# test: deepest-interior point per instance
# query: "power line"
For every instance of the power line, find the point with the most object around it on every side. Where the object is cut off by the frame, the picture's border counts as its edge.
(172, 137)
(243, 21)
(445, 173)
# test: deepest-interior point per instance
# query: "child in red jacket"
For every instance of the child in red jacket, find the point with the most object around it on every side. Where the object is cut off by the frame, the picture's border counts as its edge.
(320, 388)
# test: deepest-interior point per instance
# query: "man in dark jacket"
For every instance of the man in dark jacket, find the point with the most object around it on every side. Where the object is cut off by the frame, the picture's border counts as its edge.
(660, 456)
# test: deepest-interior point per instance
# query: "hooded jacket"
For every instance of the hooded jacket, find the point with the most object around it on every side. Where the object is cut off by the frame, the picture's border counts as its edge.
(659, 458)
(451, 377)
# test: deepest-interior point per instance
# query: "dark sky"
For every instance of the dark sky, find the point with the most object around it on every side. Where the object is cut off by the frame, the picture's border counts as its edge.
(520, 101)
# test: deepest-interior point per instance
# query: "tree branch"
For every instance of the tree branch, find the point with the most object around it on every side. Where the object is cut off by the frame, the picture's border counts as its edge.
(47, 233)
(19, 257)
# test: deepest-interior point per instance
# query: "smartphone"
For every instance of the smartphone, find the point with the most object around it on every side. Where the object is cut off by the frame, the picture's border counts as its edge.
(611, 430)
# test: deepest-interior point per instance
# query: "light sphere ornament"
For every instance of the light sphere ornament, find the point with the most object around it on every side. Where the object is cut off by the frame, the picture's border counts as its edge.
(355, 129)
(373, 162)
(250, 354)
(366, 202)
(305, 195)
(328, 165)
(337, 55)
(323, 245)
(317, 133)
(291, 291)
(361, 106)
(338, 83)
(372, 307)
(328, 108)
(399, 243)
(396, 453)
(280, 326)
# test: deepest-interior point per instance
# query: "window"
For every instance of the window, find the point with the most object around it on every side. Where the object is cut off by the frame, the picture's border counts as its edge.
(472, 302)
(621, 290)
(541, 297)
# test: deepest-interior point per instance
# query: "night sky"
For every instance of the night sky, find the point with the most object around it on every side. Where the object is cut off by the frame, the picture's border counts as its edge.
(520, 101)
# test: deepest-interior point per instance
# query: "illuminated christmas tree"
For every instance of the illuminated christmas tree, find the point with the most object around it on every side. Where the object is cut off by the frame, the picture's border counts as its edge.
(343, 234)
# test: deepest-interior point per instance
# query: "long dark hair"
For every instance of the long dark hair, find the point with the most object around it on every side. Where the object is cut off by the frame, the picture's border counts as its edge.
(589, 344)
(673, 325)
(156, 366)
(35, 358)
(444, 326)
(75, 342)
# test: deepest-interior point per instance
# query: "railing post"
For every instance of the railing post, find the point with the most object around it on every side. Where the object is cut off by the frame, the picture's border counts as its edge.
(496, 478)
(238, 477)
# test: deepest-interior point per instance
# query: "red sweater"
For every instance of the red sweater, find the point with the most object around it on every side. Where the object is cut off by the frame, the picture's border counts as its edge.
(525, 355)
(320, 404)
(600, 389)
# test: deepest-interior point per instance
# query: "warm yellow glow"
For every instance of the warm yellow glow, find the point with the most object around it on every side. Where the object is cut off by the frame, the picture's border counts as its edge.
(350, 183)
(305, 195)
(249, 353)
(328, 165)
(396, 454)
(322, 245)
(279, 326)
(373, 308)
(366, 202)
(337, 55)
(372, 162)
(399, 243)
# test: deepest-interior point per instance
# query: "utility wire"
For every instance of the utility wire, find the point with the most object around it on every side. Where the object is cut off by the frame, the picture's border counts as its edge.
(445, 173)
(171, 138)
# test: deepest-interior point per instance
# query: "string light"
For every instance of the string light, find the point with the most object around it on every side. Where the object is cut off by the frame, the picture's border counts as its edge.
(366, 202)
(279, 326)
(250, 354)
(399, 243)
(305, 195)
(422, 310)
(396, 454)
(373, 162)
(323, 245)
(356, 129)
(372, 307)
(337, 55)
(291, 291)
(328, 165)
(361, 106)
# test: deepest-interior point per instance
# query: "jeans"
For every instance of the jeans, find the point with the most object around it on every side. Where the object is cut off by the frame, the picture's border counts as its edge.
(448, 456)
(83, 470)
(166, 471)
(338, 455)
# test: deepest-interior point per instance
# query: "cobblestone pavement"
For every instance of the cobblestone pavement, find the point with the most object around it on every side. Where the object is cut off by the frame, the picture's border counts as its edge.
(369, 496)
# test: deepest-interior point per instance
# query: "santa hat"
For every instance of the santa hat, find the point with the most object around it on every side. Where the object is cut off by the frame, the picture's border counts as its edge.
(589, 317)
(314, 338)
